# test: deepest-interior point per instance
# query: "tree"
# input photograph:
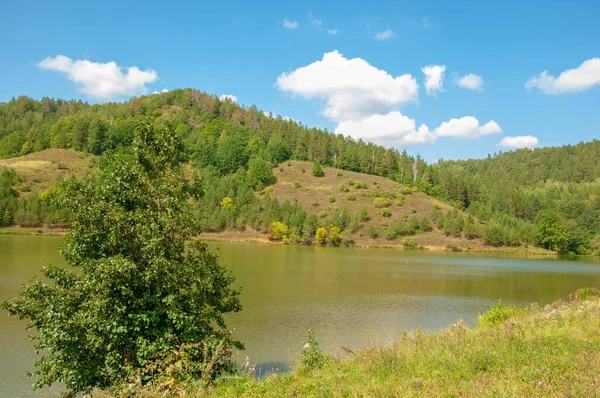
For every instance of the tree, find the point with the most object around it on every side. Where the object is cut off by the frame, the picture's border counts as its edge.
(138, 291)
(260, 173)
(317, 170)
(552, 230)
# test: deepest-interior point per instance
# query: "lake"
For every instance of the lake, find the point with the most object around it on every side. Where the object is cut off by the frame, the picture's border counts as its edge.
(348, 297)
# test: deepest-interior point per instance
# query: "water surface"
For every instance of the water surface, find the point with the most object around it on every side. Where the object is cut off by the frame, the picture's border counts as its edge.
(349, 297)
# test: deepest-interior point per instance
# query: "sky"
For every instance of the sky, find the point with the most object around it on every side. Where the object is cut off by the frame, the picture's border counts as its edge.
(443, 79)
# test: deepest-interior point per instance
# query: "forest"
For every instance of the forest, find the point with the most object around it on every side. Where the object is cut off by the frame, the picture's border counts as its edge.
(547, 197)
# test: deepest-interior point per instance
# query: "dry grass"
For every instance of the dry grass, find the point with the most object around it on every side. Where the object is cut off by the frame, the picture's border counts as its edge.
(317, 190)
(41, 169)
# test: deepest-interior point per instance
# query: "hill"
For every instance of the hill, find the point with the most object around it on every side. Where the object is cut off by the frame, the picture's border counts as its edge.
(546, 197)
(40, 170)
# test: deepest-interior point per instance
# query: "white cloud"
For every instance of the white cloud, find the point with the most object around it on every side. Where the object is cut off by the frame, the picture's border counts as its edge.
(228, 97)
(290, 24)
(467, 127)
(390, 130)
(333, 31)
(101, 80)
(469, 81)
(581, 78)
(386, 34)
(395, 129)
(434, 79)
(318, 24)
(352, 89)
(524, 141)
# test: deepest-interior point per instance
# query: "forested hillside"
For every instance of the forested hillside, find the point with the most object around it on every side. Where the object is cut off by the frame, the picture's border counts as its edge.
(546, 197)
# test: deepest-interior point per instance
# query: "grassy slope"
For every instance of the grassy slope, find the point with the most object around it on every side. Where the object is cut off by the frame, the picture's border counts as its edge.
(41, 169)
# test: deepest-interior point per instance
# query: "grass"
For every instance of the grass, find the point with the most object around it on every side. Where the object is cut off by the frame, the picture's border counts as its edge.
(41, 169)
(515, 352)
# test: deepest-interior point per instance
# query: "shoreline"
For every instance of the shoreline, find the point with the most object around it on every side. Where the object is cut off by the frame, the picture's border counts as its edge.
(260, 239)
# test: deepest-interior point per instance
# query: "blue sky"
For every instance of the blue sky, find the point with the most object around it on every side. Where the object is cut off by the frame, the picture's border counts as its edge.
(243, 48)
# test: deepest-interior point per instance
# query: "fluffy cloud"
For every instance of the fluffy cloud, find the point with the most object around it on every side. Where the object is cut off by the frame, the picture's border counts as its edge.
(352, 89)
(469, 81)
(290, 24)
(581, 78)
(386, 34)
(228, 97)
(333, 31)
(524, 141)
(395, 129)
(101, 80)
(434, 79)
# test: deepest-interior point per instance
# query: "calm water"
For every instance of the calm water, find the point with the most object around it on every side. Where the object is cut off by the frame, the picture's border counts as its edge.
(349, 297)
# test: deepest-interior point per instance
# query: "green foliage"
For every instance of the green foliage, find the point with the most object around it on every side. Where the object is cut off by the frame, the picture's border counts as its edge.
(317, 170)
(364, 215)
(409, 244)
(351, 198)
(339, 174)
(278, 230)
(322, 236)
(344, 188)
(360, 185)
(381, 202)
(297, 184)
(385, 212)
(260, 173)
(311, 356)
(331, 199)
(552, 230)
(136, 291)
(497, 314)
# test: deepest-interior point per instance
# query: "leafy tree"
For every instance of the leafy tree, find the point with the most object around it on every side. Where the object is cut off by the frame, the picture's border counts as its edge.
(260, 172)
(317, 170)
(552, 230)
(137, 292)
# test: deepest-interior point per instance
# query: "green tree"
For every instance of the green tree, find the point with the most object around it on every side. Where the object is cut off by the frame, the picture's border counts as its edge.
(317, 170)
(552, 230)
(137, 292)
(260, 173)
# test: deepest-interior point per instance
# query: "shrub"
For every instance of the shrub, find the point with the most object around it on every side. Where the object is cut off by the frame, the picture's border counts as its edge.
(381, 202)
(321, 236)
(344, 188)
(351, 198)
(331, 199)
(385, 212)
(364, 215)
(334, 236)
(351, 183)
(399, 200)
(311, 356)
(317, 170)
(260, 173)
(405, 191)
(297, 184)
(315, 204)
(425, 224)
(413, 210)
(497, 314)
(409, 244)
(339, 174)
(278, 230)
(322, 214)
(360, 185)
(303, 170)
(373, 233)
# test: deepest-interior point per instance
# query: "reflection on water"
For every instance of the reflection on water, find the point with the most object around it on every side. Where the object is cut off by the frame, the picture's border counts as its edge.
(348, 297)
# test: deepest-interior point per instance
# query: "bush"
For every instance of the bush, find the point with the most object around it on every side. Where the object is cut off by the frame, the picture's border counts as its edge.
(344, 188)
(413, 210)
(322, 214)
(385, 212)
(405, 191)
(321, 236)
(331, 199)
(399, 200)
(497, 314)
(360, 185)
(351, 198)
(311, 356)
(339, 174)
(297, 184)
(315, 204)
(381, 202)
(373, 233)
(317, 170)
(278, 230)
(409, 244)
(364, 215)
